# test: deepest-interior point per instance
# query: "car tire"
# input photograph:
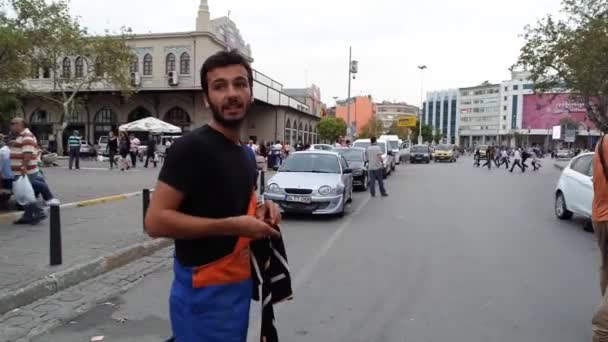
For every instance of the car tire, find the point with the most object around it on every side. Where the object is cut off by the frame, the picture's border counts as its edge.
(561, 211)
(588, 226)
(343, 210)
(428, 161)
(350, 197)
(365, 183)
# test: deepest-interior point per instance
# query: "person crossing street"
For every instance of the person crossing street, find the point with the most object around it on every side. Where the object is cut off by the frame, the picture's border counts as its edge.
(375, 168)
(504, 159)
(489, 157)
(74, 142)
(517, 161)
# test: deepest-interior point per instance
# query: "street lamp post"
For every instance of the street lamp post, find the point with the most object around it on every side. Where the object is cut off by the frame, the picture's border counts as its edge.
(353, 68)
(421, 67)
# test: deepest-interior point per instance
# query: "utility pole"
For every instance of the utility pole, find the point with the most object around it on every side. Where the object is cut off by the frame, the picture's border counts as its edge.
(353, 68)
(421, 67)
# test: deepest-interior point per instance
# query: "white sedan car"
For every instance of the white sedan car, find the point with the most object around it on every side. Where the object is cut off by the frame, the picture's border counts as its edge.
(574, 192)
(314, 182)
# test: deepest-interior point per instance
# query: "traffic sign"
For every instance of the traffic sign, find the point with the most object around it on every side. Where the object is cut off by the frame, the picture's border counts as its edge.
(407, 121)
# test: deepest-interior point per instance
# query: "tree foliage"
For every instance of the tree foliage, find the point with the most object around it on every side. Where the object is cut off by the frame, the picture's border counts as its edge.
(373, 127)
(427, 132)
(402, 132)
(331, 128)
(570, 53)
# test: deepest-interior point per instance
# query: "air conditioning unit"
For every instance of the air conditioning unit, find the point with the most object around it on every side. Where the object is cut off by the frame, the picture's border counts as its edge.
(135, 79)
(173, 78)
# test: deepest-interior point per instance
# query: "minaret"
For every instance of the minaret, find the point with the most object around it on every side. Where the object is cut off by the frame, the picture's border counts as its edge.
(203, 21)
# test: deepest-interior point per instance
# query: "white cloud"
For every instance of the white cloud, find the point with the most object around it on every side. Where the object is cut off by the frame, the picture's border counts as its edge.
(463, 42)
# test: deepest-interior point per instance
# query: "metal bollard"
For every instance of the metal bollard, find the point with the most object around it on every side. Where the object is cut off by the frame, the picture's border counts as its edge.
(262, 182)
(55, 236)
(146, 204)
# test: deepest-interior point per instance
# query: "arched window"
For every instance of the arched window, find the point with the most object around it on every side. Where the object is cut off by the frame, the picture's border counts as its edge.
(79, 67)
(306, 141)
(178, 117)
(134, 65)
(184, 64)
(104, 121)
(288, 132)
(66, 70)
(46, 72)
(138, 113)
(99, 67)
(300, 132)
(148, 64)
(41, 124)
(35, 70)
(170, 63)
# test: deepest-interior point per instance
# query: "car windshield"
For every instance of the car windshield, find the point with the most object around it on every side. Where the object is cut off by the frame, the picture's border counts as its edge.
(351, 155)
(444, 148)
(419, 149)
(310, 162)
(362, 144)
(394, 145)
(382, 146)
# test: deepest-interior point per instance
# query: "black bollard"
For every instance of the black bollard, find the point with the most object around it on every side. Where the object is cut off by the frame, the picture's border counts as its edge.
(262, 182)
(55, 236)
(146, 204)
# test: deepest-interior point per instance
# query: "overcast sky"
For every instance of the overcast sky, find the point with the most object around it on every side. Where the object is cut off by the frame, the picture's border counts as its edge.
(463, 42)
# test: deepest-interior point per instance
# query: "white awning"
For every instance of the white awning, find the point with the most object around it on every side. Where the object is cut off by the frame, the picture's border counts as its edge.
(150, 124)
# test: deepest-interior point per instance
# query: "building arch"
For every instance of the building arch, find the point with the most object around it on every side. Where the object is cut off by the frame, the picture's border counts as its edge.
(138, 113)
(104, 121)
(177, 116)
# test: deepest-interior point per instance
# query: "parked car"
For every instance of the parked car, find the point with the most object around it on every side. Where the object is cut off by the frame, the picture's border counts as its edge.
(102, 145)
(420, 154)
(574, 191)
(404, 151)
(87, 150)
(388, 158)
(445, 152)
(357, 161)
(322, 147)
(393, 146)
(564, 154)
(315, 182)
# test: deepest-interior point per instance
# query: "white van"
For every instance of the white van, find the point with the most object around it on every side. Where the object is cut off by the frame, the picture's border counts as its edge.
(388, 159)
(393, 145)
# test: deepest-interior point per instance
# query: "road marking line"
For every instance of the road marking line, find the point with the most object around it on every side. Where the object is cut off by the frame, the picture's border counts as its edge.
(312, 263)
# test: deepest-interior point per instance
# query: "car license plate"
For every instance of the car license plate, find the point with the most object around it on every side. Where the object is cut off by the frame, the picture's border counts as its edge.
(298, 199)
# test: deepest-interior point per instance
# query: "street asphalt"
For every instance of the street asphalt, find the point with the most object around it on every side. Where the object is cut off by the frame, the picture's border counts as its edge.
(456, 253)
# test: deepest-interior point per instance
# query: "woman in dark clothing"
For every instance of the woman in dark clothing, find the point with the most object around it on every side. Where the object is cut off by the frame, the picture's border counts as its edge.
(150, 151)
(124, 149)
(112, 150)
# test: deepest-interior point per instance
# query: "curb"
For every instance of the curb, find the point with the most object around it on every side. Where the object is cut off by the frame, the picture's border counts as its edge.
(14, 215)
(59, 281)
(559, 167)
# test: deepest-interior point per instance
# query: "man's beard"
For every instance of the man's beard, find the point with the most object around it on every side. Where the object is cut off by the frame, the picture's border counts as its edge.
(228, 123)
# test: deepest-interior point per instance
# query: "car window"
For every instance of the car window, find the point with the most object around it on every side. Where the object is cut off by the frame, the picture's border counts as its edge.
(582, 165)
(316, 163)
(326, 148)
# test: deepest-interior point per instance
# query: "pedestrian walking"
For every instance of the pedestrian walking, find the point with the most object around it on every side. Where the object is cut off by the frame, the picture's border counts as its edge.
(524, 156)
(535, 163)
(151, 151)
(74, 142)
(134, 150)
(112, 149)
(489, 158)
(5, 165)
(477, 158)
(504, 159)
(375, 168)
(24, 156)
(517, 161)
(211, 213)
(124, 149)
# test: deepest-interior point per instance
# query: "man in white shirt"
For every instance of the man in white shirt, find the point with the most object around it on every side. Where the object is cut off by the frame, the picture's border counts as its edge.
(504, 159)
(517, 161)
(375, 168)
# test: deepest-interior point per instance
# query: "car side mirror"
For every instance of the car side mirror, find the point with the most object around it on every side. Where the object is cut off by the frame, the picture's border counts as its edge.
(347, 171)
(390, 153)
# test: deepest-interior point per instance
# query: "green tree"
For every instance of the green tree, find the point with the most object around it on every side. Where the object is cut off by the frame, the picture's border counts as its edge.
(402, 132)
(438, 137)
(570, 53)
(373, 127)
(46, 34)
(427, 133)
(331, 127)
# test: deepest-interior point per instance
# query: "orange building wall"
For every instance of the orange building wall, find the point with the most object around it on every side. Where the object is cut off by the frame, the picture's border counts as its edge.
(361, 110)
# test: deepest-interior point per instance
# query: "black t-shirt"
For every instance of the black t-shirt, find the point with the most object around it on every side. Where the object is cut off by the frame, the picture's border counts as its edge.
(216, 177)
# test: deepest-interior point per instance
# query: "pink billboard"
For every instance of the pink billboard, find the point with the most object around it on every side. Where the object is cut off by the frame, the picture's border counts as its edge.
(542, 111)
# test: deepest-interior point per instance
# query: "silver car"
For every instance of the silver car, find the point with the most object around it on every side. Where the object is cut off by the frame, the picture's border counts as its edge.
(315, 182)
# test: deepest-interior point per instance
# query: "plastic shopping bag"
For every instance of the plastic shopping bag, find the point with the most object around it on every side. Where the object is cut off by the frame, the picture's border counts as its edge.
(23, 191)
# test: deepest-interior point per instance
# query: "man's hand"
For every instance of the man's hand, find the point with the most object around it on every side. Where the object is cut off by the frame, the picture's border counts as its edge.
(251, 227)
(269, 212)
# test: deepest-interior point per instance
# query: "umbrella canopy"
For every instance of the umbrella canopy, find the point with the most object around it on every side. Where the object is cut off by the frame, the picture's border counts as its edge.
(149, 124)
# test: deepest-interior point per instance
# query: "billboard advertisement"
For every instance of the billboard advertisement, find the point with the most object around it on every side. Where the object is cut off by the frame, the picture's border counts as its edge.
(543, 111)
(557, 132)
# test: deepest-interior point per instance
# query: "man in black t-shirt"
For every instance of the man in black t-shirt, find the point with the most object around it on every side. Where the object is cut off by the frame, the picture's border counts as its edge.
(204, 200)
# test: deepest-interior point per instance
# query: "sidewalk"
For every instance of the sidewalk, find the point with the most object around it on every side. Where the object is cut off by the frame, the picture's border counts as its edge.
(95, 239)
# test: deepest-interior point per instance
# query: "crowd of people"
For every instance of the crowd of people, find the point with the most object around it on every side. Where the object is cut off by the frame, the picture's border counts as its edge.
(502, 156)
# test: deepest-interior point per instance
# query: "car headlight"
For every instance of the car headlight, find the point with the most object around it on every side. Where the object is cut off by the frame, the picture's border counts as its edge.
(325, 190)
(273, 188)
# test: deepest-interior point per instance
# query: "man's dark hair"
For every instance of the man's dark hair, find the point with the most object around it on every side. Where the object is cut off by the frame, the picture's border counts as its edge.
(224, 59)
(373, 140)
